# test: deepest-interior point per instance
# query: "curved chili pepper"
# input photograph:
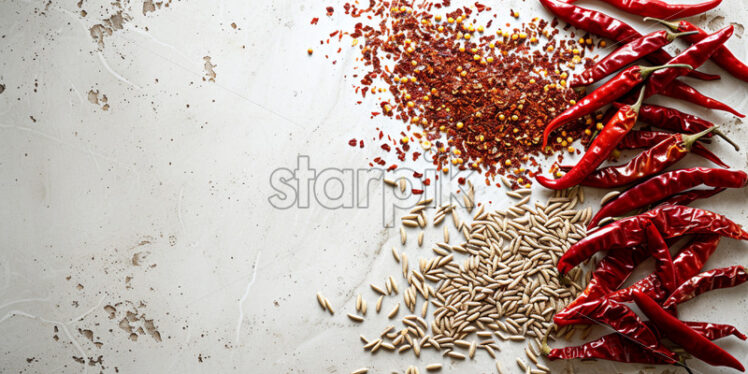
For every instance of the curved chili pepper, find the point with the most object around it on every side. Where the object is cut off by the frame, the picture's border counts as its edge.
(681, 91)
(722, 57)
(667, 184)
(686, 337)
(709, 280)
(624, 56)
(647, 139)
(608, 27)
(694, 56)
(624, 321)
(714, 331)
(686, 198)
(670, 221)
(663, 261)
(603, 95)
(608, 276)
(689, 261)
(675, 120)
(647, 8)
(650, 162)
(611, 347)
(615, 130)
(616, 347)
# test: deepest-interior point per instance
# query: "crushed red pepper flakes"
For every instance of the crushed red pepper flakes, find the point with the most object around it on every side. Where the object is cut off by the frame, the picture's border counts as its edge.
(481, 98)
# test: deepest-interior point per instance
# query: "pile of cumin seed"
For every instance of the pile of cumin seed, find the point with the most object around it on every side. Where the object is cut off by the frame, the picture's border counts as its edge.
(499, 283)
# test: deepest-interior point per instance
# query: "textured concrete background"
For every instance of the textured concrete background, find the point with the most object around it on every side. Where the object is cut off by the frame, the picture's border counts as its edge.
(136, 144)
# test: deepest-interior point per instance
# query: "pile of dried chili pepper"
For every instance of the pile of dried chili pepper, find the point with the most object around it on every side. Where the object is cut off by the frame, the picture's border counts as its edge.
(662, 195)
(474, 88)
(630, 241)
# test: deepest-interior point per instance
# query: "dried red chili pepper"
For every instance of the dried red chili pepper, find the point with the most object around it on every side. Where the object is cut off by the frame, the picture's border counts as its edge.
(675, 120)
(714, 331)
(722, 57)
(611, 347)
(686, 337)
(615, 130)
(621, 57)
(686, 198)
(707, 281)
(693, 56)
(608, 276)
(664, 267)
(689, 261)
(648, 139)
(667, 184)
(624, 321)
(650, 162)
(608, 27)
(603, 95)
(681, 91)
(670, 221)
(648, 8)
(616, 347)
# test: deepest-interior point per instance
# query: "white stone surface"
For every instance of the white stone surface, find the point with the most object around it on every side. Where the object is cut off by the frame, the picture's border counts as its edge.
(158, 206)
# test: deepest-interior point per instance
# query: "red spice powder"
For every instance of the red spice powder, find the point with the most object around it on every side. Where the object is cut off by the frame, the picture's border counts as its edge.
(479, 96)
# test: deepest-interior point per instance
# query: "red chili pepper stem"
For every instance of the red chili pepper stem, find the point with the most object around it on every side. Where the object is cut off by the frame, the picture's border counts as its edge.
(727, 139)
(672, 25)
(688, 140)
(673, 35)
(645, 71)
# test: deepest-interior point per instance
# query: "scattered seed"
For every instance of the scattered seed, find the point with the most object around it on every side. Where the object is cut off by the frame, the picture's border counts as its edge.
(433, 367)
(321, 301)
(609, 196)
(355, 317)
(394, 311)
(360, 371)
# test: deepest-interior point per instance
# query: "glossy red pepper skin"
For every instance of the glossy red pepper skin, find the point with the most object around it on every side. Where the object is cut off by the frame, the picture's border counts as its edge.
(677, 121)
(624, 321)
(665, 185)
(677, 331)
(672, 119)
(613, 132)
(615, 347)
(681, 91)
(646, 8)
(622, 57)
(648, 163)
(707, 281)
(686, 198)
(670, 221)
(611, 347)
(664, 267)
(648, 139)
(608, 276)
(695, 56)
(689, 262)
(722, 57)
(611, 90)
(608, 27)
(714, 331)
